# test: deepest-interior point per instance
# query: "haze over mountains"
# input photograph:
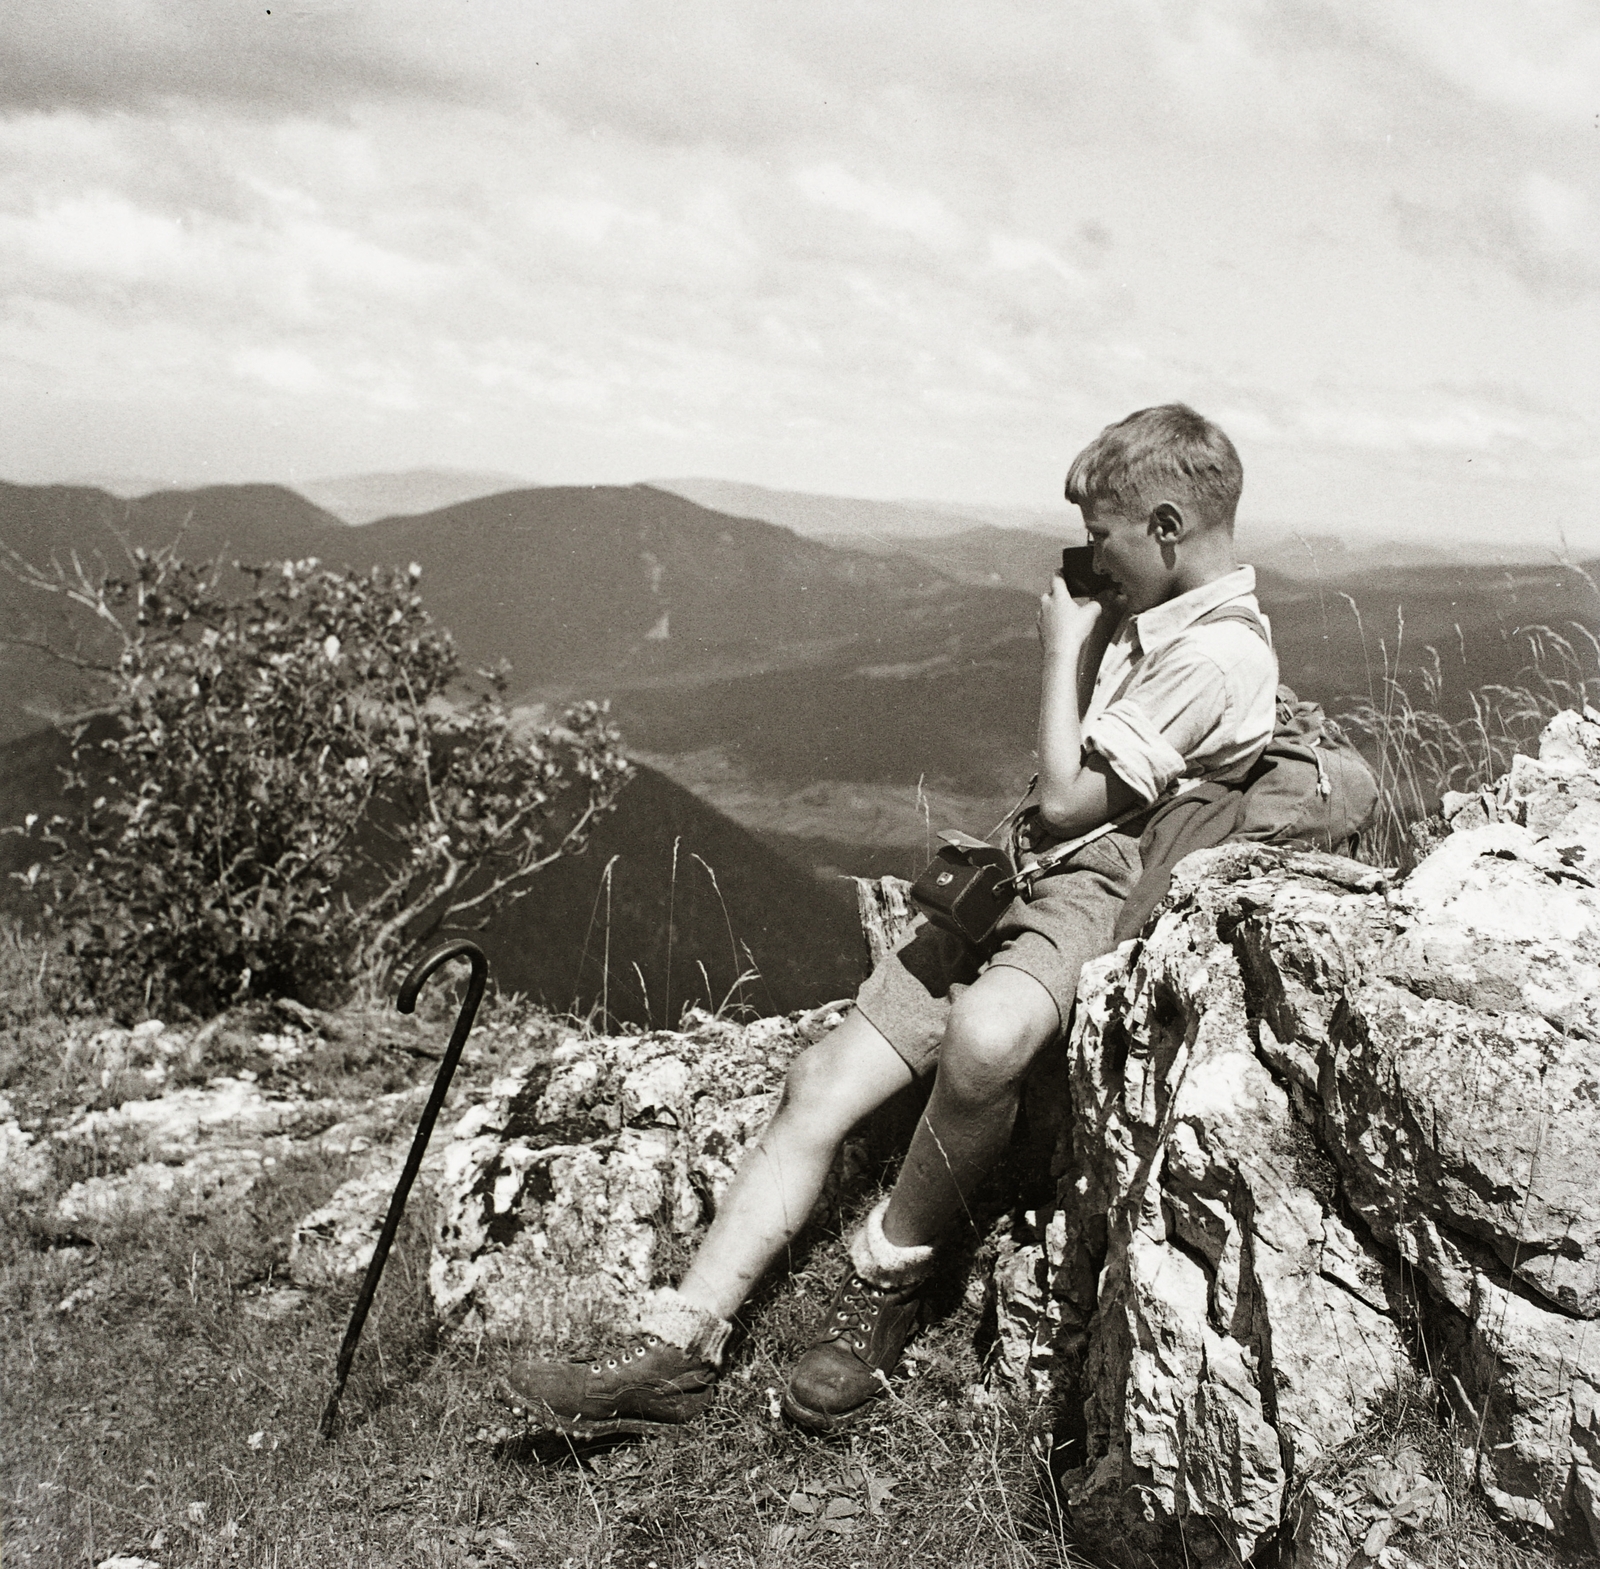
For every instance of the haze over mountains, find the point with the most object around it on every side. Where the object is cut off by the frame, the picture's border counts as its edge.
(838, 700)
(840, 518)
(364, 498)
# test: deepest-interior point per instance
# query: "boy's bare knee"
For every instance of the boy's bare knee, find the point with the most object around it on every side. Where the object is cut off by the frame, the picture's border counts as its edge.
(987, 1050)
(805, 1085)
(832, 1085)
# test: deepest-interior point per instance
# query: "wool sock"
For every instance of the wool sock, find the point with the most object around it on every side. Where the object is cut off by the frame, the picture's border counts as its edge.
(885, 1264)
(685, 1326)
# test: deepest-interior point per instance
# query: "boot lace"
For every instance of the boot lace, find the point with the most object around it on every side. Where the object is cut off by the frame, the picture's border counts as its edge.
(855, 1312)
(640, 1350)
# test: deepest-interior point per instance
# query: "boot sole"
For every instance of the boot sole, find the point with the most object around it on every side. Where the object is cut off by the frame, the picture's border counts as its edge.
(823, 1421)
(577, 1427)
(549, 1420)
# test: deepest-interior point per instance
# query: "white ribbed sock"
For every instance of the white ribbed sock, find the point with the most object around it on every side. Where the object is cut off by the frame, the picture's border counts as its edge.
(684, 1325)
(883, 1263)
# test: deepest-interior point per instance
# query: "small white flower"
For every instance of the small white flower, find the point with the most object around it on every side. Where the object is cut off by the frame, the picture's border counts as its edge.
(330, 648)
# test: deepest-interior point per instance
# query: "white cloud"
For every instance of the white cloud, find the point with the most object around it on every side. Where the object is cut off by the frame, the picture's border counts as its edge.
(916, 213)
(1018, 253)
(1543, 230)
(280, 368)
(1563, 224)
(1540, 58)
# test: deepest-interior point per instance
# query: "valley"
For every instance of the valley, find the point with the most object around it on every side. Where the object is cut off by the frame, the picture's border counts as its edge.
(808, 704)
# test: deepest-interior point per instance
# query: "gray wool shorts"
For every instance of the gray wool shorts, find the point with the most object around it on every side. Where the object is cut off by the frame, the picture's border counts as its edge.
(1066, 921)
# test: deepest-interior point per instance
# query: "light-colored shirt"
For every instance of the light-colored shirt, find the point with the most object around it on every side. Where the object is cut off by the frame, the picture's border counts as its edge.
(1178, 701)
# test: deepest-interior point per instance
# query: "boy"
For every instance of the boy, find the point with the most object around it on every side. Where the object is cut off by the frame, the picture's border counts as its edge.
(1140, 693)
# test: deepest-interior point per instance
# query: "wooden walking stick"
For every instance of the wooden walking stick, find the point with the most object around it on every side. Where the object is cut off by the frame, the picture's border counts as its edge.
(406, 1002)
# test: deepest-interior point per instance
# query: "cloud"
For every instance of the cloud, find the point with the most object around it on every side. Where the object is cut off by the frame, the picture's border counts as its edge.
(279, 368)
(1543, 230)
(1539, 60)
(857, 248)
(916, 213)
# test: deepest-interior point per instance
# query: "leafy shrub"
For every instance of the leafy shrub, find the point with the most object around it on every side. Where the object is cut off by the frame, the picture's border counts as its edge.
(294, 793)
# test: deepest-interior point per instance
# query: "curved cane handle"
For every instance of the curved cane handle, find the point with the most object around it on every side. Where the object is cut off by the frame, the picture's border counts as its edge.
(457, 947)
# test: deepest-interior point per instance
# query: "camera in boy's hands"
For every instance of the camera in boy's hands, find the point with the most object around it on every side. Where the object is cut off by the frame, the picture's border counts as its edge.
(1077, 568)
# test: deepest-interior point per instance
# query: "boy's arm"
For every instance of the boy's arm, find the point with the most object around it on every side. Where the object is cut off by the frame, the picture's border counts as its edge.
(1075, 793)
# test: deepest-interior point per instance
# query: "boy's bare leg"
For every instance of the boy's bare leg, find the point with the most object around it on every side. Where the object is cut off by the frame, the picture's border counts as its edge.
(831, 1086)
(996, 1029)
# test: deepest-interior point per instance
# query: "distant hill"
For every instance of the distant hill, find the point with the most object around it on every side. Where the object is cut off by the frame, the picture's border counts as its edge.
(42, 523)
(1019, 558)
(836, 518)
(570, 946)
(606, 587)
(586, 588)
(1309, 557)
(364, 498)
(124, 486)
(260, 522)
(764, 912)
(806, 688)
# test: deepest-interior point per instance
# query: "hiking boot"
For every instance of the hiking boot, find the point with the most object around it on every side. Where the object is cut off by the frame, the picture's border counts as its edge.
(860, 1344)
(666, 1374)
(651, 1383)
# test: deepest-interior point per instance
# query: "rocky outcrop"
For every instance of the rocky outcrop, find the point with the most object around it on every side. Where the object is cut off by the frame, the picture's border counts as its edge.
(1326, 1137)
(582, 1178)
(1324, 1141)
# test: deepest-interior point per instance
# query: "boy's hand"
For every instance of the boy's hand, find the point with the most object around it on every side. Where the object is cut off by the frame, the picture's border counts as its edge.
(1065, 623)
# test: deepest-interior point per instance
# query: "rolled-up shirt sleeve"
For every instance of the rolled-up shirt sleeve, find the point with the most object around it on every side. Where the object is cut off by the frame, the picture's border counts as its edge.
(1154, 733)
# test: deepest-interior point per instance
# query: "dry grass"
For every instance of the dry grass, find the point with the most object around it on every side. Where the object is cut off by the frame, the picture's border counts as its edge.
(1422, 739)
(1414, 1436)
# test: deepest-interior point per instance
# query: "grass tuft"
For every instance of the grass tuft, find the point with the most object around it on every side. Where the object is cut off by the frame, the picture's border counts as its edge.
(1422, 739)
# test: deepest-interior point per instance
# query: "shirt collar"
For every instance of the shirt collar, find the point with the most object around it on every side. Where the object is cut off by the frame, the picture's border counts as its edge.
(1159, 625)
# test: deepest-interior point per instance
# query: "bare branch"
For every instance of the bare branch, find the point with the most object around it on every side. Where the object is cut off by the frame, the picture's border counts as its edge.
(45, 646)
(79, 588)
(526, 869)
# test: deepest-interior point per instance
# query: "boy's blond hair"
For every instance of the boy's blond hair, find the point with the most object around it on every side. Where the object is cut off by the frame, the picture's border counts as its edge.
(1156, 449)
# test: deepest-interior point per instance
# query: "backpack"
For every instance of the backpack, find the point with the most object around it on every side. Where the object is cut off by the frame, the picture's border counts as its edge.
(1310, 789)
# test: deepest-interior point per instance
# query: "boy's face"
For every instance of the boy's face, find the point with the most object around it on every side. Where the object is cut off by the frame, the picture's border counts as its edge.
(1127, 551)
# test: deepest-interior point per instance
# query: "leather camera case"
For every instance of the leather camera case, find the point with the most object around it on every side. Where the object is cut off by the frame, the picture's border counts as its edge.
(965, 889)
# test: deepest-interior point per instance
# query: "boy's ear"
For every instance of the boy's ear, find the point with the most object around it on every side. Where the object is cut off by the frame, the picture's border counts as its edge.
(1168, 525)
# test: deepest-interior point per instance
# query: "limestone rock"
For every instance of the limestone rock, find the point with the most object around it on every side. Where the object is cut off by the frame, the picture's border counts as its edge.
(200, 1147)
(1232, 1336)
(175, 1125)
(209, 1178)
(335, 1242)
(25, 1165)
(576, 1183)
(1304, 1114)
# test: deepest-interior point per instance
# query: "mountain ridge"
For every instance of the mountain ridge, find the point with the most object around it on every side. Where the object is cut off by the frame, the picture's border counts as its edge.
(784, 678)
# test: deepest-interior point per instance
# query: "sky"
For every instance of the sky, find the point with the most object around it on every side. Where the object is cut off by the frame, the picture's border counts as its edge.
(908, 249)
